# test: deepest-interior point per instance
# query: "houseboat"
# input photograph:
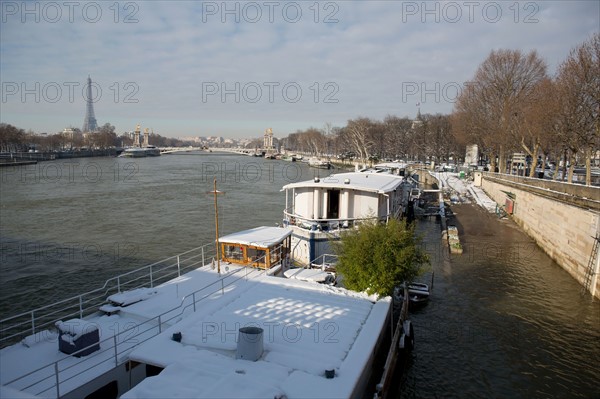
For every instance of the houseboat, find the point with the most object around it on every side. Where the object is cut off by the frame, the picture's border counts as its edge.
(318, 210)
(199, 332)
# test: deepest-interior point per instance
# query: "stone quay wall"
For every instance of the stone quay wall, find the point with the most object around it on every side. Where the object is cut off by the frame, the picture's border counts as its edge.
(564, 219)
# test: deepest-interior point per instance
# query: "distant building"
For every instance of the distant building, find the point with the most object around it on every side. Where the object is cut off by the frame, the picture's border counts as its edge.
(72, 136)
(89, 122)
(268, 139)
(472, 155)
(418, 121)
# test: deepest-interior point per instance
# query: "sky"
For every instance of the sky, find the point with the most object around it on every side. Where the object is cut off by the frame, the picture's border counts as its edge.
(234, 69)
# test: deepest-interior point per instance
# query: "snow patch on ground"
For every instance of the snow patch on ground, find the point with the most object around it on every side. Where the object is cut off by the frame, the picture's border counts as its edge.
(462, 190)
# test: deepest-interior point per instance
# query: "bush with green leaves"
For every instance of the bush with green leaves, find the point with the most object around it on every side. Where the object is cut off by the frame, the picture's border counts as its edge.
(377, 257)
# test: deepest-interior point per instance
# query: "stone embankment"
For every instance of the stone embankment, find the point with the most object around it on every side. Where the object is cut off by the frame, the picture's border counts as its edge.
(563, 219)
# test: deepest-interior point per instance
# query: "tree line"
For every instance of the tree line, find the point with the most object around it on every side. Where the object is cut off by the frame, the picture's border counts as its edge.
(514, 105)
(511, 105)
(428, 137)
(14, 139)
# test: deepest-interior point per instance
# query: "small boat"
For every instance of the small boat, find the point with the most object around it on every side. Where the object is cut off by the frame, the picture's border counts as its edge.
(318, 163)
(133, 152)
(151, 151)
(418, 293)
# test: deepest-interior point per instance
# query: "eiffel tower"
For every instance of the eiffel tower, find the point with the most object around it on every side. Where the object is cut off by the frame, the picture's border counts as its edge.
(89, 123)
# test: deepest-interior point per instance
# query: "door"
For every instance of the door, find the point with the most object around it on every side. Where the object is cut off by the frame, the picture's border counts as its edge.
(333, 204)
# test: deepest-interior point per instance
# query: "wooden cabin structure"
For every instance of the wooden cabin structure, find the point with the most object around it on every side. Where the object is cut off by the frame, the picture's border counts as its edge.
(261, 247)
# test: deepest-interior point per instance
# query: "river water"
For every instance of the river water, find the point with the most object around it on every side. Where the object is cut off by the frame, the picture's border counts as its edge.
(67, 226)
(504, 319)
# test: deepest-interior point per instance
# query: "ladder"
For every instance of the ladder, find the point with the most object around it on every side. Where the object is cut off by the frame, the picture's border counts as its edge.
(589, 273)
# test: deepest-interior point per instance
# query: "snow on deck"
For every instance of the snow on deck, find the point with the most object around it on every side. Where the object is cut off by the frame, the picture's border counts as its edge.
(130, 297)
(259, 236)
(36, 354)
(307, 328)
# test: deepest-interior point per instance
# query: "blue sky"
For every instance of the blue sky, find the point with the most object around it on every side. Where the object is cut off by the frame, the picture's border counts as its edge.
(234, 69)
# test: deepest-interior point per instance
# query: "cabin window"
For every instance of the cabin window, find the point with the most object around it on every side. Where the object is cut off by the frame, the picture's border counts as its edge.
(333, 204)
(108, 391)
(256, 255)
(276, 254)
(234, 253)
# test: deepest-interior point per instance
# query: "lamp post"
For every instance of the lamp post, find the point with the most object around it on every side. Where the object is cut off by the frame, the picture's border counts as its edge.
(216, 192)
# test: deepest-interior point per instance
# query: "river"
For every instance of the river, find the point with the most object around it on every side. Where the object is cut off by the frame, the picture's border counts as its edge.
(84, 220)
(504, 320)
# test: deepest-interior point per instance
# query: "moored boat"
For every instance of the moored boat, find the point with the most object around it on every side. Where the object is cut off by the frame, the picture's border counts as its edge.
(133, 152)
(318, 210)
(319, 163)
(192, 327)
(140, 152)
(418, 293)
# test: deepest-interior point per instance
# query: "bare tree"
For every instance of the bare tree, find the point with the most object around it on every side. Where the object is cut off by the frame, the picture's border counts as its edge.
(491, 105)
(539, 123)
(578, 82)
(358, 132)
(397, 133)
(12, 139)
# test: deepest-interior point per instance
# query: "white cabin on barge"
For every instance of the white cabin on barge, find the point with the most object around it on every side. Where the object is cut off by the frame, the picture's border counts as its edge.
(317, 210)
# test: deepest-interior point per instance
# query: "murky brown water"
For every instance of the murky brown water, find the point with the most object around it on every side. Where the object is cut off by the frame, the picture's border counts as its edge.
(505, 321)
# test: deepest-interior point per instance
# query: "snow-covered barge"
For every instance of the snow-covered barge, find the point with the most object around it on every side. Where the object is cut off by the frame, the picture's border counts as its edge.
(179, 321)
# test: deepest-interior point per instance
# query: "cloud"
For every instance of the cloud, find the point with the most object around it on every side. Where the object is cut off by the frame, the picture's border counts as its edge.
(154, 61)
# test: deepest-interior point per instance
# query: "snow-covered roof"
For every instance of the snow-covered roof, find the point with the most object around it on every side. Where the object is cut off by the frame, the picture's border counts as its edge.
(307, 328)
(259, 236)
(374, 182)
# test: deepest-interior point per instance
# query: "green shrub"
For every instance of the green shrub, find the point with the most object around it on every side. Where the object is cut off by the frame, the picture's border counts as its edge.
(377, 257)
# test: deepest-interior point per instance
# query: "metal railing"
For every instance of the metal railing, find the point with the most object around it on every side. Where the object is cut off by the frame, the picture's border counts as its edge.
(50, 377)
(325, 261)
(32, 322)
(292, 219)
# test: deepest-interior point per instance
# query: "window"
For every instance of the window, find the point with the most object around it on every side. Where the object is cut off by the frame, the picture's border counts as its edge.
(256, 255)
(233, 252)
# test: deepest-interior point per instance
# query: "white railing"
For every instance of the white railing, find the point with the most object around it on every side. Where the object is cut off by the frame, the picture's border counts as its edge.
(16, 327)
(325, 261)
(292, 219)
